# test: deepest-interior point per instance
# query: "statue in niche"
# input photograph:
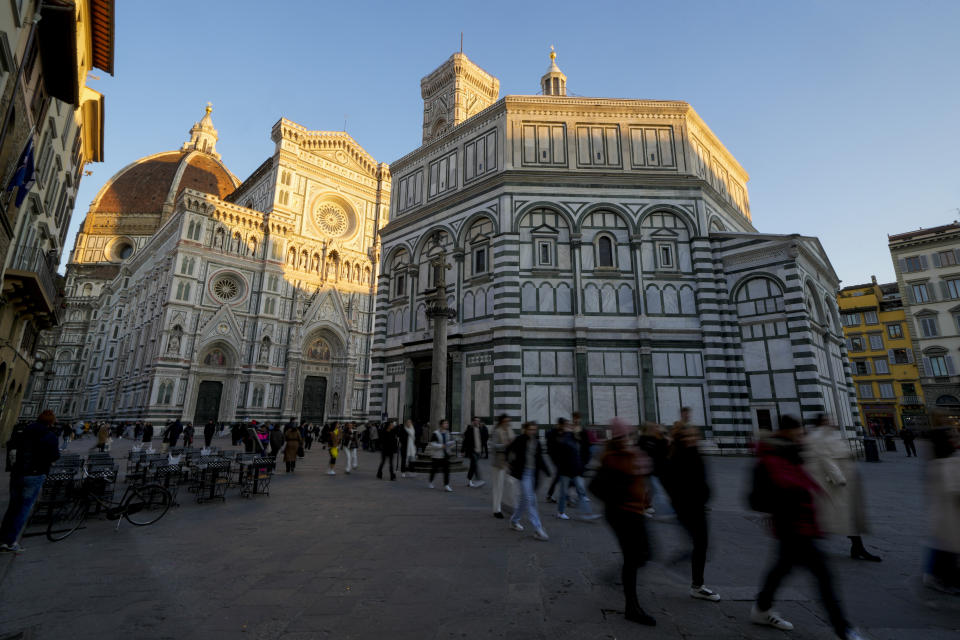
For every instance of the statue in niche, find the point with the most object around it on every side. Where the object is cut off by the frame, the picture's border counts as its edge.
(265, 351)
(173, 346)
(335, 403)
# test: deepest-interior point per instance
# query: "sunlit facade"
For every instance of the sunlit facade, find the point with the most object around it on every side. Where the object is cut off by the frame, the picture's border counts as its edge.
(193, 295)
(882, 360)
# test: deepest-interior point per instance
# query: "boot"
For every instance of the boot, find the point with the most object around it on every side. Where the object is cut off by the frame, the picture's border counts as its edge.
(635, 614)
(859, 552)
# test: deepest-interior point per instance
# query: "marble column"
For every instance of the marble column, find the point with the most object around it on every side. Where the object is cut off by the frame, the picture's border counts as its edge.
(440, 313)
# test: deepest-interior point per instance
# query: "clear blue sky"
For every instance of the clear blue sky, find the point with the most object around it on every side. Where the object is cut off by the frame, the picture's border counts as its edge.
(845, 114)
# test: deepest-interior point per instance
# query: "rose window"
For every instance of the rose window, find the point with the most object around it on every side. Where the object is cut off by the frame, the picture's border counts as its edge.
(331, 219)
(226, 288)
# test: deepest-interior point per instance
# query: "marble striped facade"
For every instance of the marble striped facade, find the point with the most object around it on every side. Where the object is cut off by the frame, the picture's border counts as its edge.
(616, 290)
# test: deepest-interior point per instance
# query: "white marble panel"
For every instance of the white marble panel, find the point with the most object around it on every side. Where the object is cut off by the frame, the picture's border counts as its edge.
(668, 404)
(393, 402)
(528, 297)
(531, 363)
(678, 365)
(538, 408)
(760, 386)
(561, 401)
(565, 363)
(629, 359)
(660, 364)
(781, 353)
(784, 385)
(611, 363)
(548, 363)
(481, 398)
(628, 406)
(693, 397)
(563, 299)
(755, 356)
(604, 408)
(595, 363)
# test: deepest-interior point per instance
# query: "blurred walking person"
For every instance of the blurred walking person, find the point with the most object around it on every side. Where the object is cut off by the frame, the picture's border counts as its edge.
(209, 430)
(441, 446)
(525, 457)
(621, 484)
(350, 445)
(685, 479)
(502, 437)
(472, 447)
(568, 457)
(841, 508)
(333, 440)
(942, 570)
(292, 442)
(103, 436)
(389, 443)
(408, 447)
(784, 489)
(908, 435)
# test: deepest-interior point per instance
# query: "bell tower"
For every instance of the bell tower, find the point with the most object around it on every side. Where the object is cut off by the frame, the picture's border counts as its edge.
(453, 92)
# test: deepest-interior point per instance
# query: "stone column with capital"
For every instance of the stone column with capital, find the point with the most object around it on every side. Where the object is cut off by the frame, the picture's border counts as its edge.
(438, 310)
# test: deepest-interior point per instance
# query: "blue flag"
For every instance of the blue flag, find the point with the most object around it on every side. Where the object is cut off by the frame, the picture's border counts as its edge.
(25, 176)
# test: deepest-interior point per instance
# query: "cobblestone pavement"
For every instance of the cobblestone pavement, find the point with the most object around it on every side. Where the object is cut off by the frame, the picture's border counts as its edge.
(354, 557)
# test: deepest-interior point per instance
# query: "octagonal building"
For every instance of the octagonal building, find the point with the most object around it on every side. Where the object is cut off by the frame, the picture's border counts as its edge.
(603, 259)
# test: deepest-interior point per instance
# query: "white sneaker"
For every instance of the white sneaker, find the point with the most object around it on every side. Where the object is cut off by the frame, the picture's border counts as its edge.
(348, 470)
(769, 618)
(853, 634)
(403, 475)
(516, 526)
(430, 485)
(331, 472)
(478, 484)
(562, 516)
(446, 487)
(540, 534)
(702, 593)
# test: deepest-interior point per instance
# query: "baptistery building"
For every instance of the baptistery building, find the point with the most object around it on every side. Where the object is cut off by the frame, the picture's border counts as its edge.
(192, 294)
(599, 256)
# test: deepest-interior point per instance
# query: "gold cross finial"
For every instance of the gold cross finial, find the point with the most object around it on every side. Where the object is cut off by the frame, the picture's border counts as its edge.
(553, 54)
(209, 107)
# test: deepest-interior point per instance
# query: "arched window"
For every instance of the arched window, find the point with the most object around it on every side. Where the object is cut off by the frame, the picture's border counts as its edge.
(166, 392)
(258, 395)
(604, 251)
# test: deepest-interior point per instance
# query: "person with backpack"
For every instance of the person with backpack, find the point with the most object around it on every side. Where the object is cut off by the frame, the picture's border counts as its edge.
(784, 489)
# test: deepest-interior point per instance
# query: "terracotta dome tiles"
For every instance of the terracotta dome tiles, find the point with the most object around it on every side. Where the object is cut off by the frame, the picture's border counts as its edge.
(143, 187)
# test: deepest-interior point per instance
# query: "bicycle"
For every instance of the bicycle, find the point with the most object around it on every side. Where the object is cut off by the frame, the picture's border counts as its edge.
(141, 506)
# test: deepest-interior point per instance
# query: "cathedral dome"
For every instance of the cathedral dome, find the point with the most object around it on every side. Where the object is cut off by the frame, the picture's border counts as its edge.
(146, 185)
(152, 184)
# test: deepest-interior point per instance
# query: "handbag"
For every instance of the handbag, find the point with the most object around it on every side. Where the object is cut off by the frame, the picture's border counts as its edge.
(300, 452)
(604, 485)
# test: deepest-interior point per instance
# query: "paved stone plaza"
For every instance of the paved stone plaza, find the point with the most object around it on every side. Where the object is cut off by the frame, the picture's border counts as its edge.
(353, 557)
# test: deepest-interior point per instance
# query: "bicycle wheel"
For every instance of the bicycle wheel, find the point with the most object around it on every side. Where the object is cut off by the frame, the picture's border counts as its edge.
(66, 519)
(147, 504)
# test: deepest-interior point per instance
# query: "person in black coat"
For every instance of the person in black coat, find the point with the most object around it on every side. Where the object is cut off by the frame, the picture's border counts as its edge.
(276, 440)
(148, 433)
(684, 476)
(909, 435)
(173, 433)
(484, 438)
(33, 450)
(568, 456)
(388, 449)
(526, 462)
(208, 430)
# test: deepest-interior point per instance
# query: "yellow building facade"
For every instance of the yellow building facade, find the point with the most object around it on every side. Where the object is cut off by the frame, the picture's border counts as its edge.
(882, 361)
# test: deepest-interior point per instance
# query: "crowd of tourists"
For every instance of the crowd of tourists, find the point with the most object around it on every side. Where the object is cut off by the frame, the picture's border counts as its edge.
(805, 480)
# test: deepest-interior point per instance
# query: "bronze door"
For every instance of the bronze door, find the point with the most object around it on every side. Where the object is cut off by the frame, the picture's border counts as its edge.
(208, 402)
(314, 399)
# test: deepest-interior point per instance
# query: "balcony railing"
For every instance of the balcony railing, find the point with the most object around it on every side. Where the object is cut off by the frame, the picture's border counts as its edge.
(40, 267)
(910, 400)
